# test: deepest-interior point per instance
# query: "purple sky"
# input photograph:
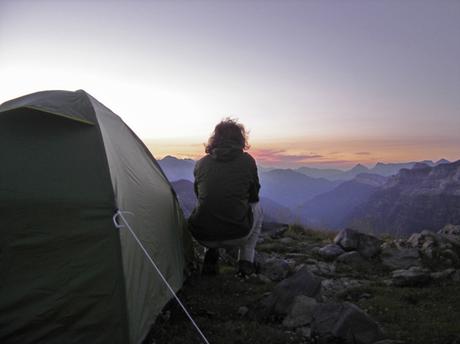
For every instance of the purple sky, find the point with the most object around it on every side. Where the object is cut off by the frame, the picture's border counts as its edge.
(317, 82)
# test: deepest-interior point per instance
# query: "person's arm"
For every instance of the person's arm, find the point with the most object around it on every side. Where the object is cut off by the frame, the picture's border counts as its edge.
(195, 183)
(254, 187)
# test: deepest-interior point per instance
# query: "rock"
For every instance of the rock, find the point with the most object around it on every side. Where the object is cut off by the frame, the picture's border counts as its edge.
(452, 234)
(353, 259)
(330, 252)
(389, 341)
(365, 296)
(321, 268)
(315, 250)
(292, 265)
(400, 258)
(350, 240)
(424, 238)
(304, 331)
(442, 275)
(301, 312)
(287, 241)
(387, 282)
(344, 323)
(449, 258)
(243, 310)
(275, 231)
(276, 269)
(264, 278)
(303, 282)
(414, 276)
(260, 258)
(331, 288)
(416, 240)
(311, 261)
(438, 250)
(347, 239)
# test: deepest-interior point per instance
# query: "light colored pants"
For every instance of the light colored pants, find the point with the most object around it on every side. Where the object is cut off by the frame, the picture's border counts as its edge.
(246, 244)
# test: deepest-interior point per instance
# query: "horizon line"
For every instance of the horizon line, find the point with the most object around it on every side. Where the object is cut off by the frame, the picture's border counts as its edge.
(315, 165)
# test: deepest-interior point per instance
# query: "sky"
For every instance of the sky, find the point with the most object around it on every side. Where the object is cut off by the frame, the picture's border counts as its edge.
(316, 83)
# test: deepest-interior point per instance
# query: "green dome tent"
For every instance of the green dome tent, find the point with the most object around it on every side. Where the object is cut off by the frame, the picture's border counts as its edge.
(67, 273)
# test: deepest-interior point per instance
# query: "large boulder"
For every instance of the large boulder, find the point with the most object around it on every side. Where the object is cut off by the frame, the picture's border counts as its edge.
(452, 234)
(275, 269)
(350, 240)
(344, 323)
(442, 275)
(301, 312)
(394, 257)
(354, 260)
(330, 251)
(426, 239)
(436, 249)
(279, 302)
(412, 277)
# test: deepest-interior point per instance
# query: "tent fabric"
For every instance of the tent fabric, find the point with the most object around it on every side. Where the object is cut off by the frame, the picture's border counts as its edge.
(71, 105)
(55, 225)
(67, 274)
(141, 187)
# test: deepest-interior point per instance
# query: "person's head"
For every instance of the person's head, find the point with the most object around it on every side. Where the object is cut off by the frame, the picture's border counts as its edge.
(228, 132)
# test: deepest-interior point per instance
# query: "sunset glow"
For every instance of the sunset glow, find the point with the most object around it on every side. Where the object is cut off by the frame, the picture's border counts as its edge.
(317, 83)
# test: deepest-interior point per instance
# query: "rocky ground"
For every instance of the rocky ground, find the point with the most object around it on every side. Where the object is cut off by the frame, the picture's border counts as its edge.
(318, 287)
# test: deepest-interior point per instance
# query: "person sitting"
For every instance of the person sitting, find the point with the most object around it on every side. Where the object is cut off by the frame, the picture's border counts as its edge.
(228, 213)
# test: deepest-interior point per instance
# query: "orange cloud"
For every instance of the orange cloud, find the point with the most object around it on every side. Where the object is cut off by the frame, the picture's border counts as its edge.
(338, 153)
(280, 157)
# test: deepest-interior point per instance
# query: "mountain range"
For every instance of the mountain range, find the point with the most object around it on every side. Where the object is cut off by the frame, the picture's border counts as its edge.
(419, 195)
(424, 197)
(290, 188)
(177, 169)
(383, 169)
(331, 208)
(286, 187)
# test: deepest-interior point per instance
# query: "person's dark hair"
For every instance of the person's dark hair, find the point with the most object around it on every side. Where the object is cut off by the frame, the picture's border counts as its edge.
(228, 131)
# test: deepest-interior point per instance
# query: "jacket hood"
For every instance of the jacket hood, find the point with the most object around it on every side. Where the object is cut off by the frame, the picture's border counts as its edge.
(226, 152)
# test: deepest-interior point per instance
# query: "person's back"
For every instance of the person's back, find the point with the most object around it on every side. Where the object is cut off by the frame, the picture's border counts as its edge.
(224, 186)
(227, 188)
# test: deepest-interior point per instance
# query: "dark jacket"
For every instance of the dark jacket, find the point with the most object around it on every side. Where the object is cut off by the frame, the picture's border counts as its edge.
(226, 181)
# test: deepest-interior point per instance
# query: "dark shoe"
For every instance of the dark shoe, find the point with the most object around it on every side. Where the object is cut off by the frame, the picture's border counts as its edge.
(246, 268)
(210, 264)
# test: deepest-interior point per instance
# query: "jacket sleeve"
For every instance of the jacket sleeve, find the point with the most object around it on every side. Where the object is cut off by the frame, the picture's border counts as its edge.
(254, 186)
(195, 182)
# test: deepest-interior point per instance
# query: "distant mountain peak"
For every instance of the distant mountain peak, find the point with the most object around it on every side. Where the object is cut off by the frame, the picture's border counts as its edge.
(442, 161)
(359, 167)
(169, 157)
(173, 158)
